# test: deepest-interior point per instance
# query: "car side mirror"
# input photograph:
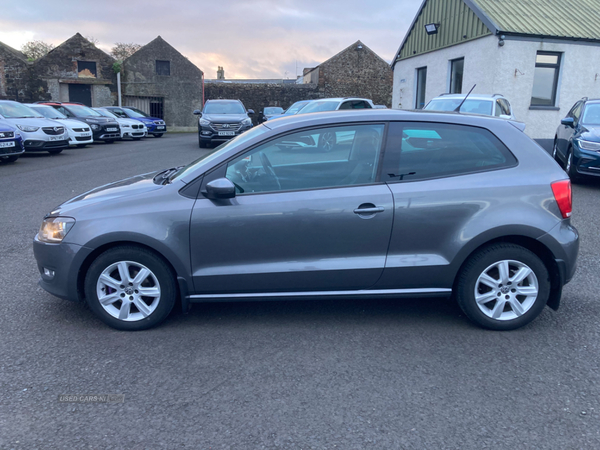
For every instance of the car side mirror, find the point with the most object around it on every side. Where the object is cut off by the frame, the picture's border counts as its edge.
(197, 112)
(568, 121)
(505, 116)
(220, 188)
(250, 112)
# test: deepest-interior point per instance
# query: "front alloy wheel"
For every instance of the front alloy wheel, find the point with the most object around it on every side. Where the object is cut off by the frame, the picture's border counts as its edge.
(130, 288)
(503, 287)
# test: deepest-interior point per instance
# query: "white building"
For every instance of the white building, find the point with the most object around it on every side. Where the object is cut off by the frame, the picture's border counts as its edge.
(543, 55)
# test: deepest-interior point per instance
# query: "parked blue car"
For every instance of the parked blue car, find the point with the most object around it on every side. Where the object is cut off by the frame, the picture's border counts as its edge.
(155, 125)
(11, 143)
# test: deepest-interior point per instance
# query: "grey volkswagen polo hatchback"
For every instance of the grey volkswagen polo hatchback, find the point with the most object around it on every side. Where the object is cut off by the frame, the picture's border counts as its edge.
(406, 204)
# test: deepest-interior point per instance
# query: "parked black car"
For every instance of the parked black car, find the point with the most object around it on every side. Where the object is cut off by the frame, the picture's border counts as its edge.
(221, 120)
(103, 129)
(269, 112)
(577, 140)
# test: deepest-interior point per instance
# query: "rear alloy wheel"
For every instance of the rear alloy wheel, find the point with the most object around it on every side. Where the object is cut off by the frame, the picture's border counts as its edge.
(9, 159)
(503, 287)
(55, 152)
(570, 167)
(130, 288)
(327, 141)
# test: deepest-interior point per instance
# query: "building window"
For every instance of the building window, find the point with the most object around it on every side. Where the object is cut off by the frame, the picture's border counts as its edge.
(86, 69)
(545, 79)
(163, 68)
(457, 67)
(421, 87)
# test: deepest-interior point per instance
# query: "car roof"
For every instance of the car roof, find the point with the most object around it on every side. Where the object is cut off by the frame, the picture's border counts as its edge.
(337, 99)
(222, 100)
(471, 96)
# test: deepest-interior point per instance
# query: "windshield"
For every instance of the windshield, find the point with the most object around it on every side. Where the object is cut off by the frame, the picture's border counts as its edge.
(320, 106)
(80, 110)
(224, 108)
(591, 115)
(297, 107)
(105, 113)
(470, 106)
(14, 110)
(48, 112)
(273, 110)
(237, 141)
(134, 112)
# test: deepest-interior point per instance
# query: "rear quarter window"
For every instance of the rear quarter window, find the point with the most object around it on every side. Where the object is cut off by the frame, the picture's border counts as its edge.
(419, 151)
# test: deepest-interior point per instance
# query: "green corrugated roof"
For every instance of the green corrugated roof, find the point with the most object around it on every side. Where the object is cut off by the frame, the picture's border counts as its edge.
(579, 19)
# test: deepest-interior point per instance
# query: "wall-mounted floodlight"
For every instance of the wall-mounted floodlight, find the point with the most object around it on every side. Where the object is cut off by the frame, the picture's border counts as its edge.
(432, 28)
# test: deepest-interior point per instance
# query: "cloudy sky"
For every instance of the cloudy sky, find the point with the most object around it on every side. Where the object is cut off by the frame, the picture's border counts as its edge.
(249, 38)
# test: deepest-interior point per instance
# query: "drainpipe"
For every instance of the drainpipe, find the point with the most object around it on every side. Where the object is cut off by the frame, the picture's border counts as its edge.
(119, 87)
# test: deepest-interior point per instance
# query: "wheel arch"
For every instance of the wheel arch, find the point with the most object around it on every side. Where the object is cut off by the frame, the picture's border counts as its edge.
(536, 247)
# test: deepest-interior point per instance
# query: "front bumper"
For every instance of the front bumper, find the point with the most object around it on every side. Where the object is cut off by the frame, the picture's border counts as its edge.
(63, 262)
(36, 145)
(155, 129)
(586, 162)
(103, 134)
(208, 134)
(16, 149)
(76, 138)
(129, 133)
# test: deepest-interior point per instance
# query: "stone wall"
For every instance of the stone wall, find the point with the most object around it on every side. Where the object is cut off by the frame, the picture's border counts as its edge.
(258, 95)
(357, 71)
(181, 90)
(17, 80)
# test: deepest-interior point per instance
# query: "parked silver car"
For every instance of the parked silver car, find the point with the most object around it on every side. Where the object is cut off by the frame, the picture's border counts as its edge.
(39, 133)
(490, 105)
(408, 204)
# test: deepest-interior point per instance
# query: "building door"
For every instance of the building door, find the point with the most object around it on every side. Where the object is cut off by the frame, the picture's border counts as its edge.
(81, 93)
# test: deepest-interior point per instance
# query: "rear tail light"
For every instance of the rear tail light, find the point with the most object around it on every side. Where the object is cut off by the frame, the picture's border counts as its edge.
(562, 194)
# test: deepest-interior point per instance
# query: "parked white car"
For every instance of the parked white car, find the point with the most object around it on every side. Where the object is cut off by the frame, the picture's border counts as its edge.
(488, 105)
(335, 104)
(39, 134)
(80, 134)
(130, 128)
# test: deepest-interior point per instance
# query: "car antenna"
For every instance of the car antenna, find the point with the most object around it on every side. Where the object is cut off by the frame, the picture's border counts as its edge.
(464, 99)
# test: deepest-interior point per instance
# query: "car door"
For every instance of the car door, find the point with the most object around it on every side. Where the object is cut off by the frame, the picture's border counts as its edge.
(442, 177)
(565, 132)
(302, 219)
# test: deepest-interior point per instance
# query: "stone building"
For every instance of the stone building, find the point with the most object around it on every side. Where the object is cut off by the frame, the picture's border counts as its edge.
(162, 82)
(78, 71)
(356, 71)
(16, 82)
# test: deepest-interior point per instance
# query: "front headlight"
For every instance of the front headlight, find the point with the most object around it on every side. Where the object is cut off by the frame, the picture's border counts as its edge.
(589, 145)
(247, 121)
(204, 122)
(95, 127)
(27, 128)
(54, 229)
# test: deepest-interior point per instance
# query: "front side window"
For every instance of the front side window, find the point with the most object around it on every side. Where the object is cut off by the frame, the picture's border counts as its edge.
(575, 112)
(432, 150)
(163, 68)
(421, 87)
(317, 158)
(545, 79)
(457, 67)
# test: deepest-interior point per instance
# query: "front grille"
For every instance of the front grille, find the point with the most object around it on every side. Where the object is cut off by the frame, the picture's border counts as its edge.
(53, 131)
(226, 126)
(81, 130)
(56, 144)
(6, 134)
(82, 138)
(136, 127)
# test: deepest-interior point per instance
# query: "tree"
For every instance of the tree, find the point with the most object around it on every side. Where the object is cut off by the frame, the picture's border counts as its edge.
(92, 39)
(122, 50)
(36, 49)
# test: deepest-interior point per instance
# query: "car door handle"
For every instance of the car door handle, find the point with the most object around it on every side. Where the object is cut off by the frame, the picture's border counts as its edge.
(373, 210)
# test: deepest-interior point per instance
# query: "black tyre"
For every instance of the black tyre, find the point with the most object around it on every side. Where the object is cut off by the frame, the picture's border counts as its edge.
(555, 153)
(201, 143)
(570, 167)
(55, 152)
(157, 135)
(110, 141)
(81, 145)
(327, 141)
(136, 139)
(9, 159)
(503, 287)
(130, 288)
